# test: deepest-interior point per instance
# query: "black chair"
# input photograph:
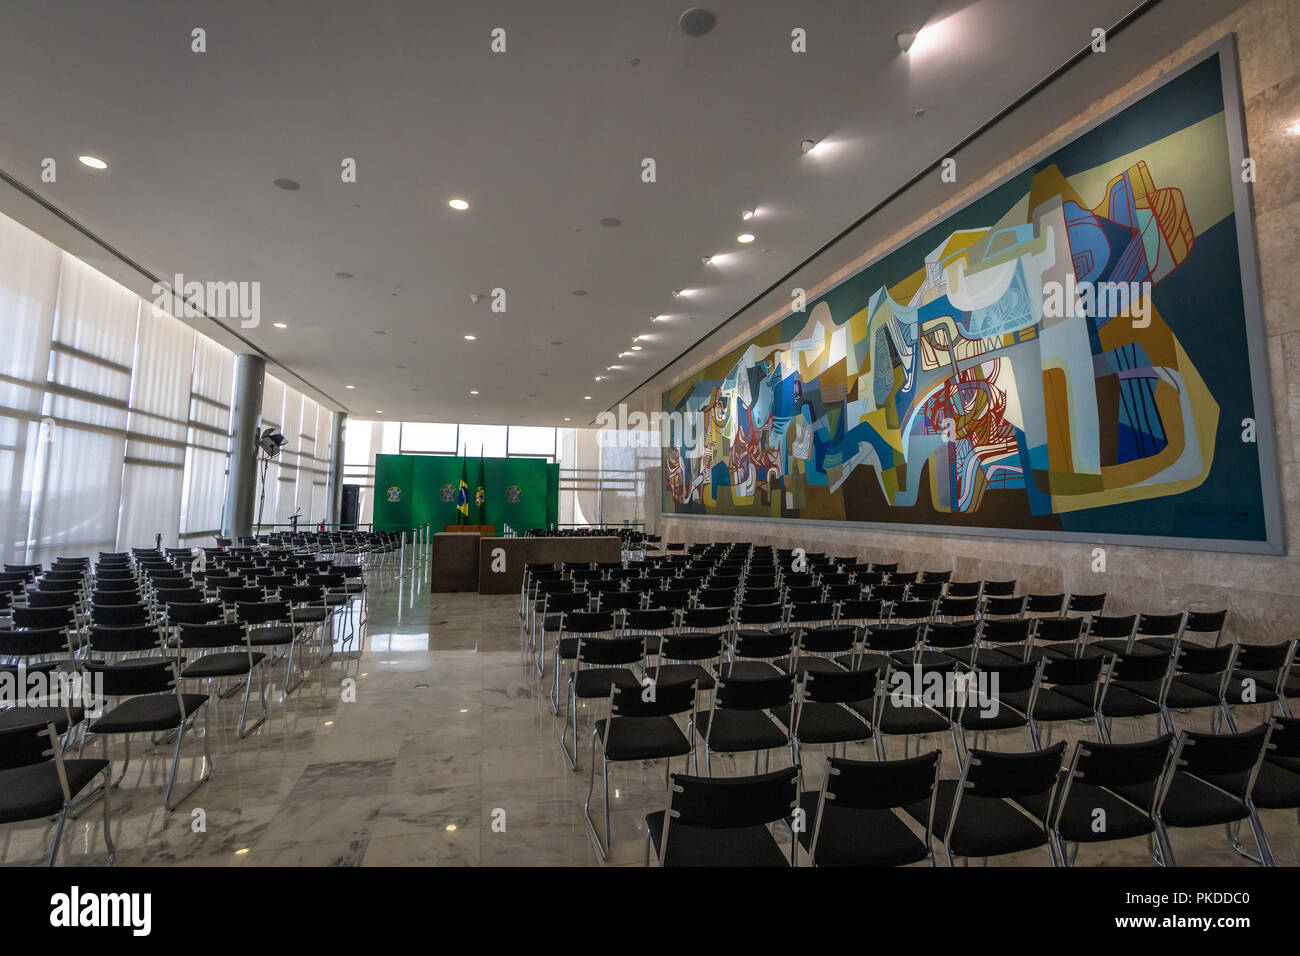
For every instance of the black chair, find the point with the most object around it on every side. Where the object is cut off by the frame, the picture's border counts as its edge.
(973, 813)
(1057, 637)
(880, 644)
(36, 781)
(226, 663)
(1277, 778)
(757, 653)
(851, 820)
(598, 664)
(1050, 706)
(1124, 692)
(270, 625)
(724, 822)
(554, 605)
(739, 719)
(685, 656)
(1087, 808)
(964, 589)
(572, 618)
(1260, 677)
(1049, 604)
(1186, 797)
(154, 704)
(821, 715)
(985, 700)
(640, 726)
(817, 648)
(1197, 626)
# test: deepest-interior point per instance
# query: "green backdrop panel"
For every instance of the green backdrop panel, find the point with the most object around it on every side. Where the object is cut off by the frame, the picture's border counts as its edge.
(516, 493)
(414, 490)
(393, 475)
(552, 495)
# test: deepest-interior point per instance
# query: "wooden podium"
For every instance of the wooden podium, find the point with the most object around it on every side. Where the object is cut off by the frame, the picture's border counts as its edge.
(488, 530)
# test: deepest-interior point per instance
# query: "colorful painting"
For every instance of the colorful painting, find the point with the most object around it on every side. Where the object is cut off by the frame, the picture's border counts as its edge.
(1067, 355)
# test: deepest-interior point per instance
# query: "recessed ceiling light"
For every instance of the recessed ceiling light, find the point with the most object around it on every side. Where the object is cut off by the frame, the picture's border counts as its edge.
(349, 386)
(697, 21)
(609, 222)
(599, 377)
(451, 827)
(471, 338)
(586, 398)
(745, 237)
(286, 184)
(279, 325)
(568, 419)
(473, 391)
(459, 204)
(94, 162)
(579, 291)
(747, 215)
(919, 113)
(344, 275)
(1294, 128)
(379, 411)
(636, 348)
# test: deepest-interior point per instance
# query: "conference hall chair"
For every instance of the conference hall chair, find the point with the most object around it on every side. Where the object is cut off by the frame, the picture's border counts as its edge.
(739, 719)
(724, 822)
(598, 665)
(232, 655)
(821, 714)
(639, 728)
(853, 819)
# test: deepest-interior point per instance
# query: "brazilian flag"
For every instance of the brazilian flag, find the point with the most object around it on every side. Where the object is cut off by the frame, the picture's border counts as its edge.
(462, 495)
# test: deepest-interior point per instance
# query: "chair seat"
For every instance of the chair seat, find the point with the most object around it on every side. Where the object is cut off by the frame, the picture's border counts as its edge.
(27, 793)
(822, 723)
(692, 846)
(223, 664)
(984, 715)
(809, 662)
(642, 738)
(1269, 679)
(597, 681)
(1233, 693)
(38, 667)
(985, 826)
(739, 731)
(1052, 705)
(1276, 787)
(1119, 645)
(926, 657)
(859, 837)
(989, 658)
(900, 719)
(1189, 803)
(148, 712)
(310, 615)
(267, 636)
(747, 670)
(1119, 702)
(867, 661)
(765, 632)
(1186, 691)
(670, 673)
(40, 716)
(1077, 822)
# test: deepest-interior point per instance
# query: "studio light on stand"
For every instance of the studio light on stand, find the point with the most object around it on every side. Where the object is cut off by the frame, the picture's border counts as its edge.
(269, 442)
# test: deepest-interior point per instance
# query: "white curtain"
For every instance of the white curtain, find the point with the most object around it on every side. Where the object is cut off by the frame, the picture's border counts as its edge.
(208, 437)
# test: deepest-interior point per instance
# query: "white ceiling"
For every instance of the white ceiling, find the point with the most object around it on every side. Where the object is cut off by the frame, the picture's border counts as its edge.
(544, 140)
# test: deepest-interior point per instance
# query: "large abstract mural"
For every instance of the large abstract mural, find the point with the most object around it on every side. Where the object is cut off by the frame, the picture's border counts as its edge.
(1068, 353)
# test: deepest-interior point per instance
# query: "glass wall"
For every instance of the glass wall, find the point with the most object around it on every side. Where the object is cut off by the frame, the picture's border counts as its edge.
(115, 417)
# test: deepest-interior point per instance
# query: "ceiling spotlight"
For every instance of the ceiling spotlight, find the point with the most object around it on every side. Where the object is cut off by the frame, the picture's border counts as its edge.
(676, 293)
(599, 377)
(471, 338)
(905, 39)
(706, 259)
(279, 325)
(349, 386)
(747, 215)
(458, 204)
(1294, 128)
(745, 237)
(94, 162)
(808, 145)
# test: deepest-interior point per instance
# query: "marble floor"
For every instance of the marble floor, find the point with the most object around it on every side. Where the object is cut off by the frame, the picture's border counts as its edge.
(434, 745)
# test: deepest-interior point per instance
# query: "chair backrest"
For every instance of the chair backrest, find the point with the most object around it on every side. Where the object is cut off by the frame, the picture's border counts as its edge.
(806, 594)
(964, 589)
(120, 615)
(1267, 657)
(691, 647)
(1222, 755)
(53, 599)
(814, 611)
(832, 638)
(881, 784)
(999, 588)
(1044, 603)
(910, 610)
(761, 645)
(619, 600)
(1284, 741)
(1205, 622)
(302, 594)
(720, 803)
(993, 774)
(754, 693)
(1006, 631)
(1206, 660)
(610, 651)
(655, 619)
(1004, 606)
(589, 622)
(945, 634)
(124, 639)
(1072, 671)
(670, 598)
(204, 612)
(564, 602)
(950, 607)
(1086, 603)
(706, 618)
(1054, 630)
(241, 595)
(840, 687)
(1160, 625)
(150, 675)
(220, 634)
(889, 592)
(262, 612)
(892, 637)
(42, 617)
(1120, 765)
(862, 609)
(35, 642)
(1111, 627)
(925, 591)
(666, 699)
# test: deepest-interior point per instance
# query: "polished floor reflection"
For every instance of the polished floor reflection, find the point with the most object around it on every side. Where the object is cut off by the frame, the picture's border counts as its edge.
(434, 746)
